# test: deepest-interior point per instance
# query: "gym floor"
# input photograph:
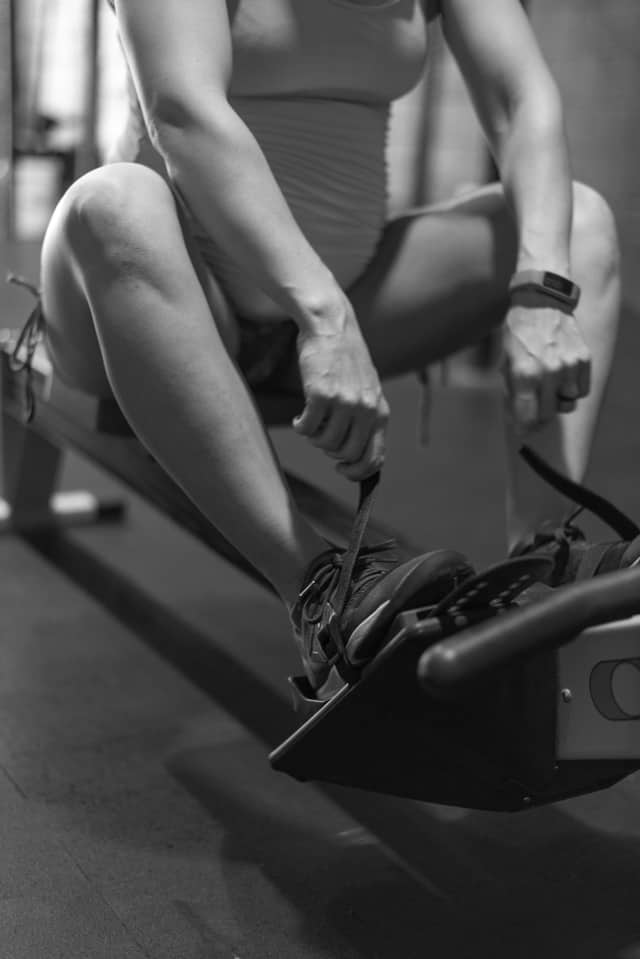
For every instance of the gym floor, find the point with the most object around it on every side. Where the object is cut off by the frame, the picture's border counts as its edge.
(138, 814)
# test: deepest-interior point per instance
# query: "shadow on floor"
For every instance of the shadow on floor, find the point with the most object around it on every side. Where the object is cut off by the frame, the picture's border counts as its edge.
(425, 880)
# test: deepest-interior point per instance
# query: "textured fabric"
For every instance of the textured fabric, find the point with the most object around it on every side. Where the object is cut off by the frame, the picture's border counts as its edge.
(329, 161)
(313, 80)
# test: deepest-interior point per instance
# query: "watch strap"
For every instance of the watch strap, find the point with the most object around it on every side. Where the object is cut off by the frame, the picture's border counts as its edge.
(554, 285)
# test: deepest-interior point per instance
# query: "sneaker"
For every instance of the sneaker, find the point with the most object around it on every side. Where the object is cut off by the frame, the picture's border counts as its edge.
(349, 598)
(574, 557)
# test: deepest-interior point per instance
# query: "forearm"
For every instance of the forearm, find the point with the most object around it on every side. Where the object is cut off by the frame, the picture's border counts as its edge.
(221, 173)
(534, 168)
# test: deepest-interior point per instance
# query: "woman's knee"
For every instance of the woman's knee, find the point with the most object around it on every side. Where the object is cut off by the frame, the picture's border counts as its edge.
(595, 248)
(97, 225)
(115, 213)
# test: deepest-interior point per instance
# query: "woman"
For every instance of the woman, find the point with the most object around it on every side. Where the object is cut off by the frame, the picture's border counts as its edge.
(237, 239)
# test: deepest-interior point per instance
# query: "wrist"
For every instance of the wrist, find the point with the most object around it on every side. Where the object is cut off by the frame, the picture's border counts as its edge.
(539, 249)
(531, 300)
(323, 312)
(556, 262)
(556, 288)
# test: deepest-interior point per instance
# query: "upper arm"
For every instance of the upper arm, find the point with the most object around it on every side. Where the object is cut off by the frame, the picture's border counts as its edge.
(499, 57)
(179, 54)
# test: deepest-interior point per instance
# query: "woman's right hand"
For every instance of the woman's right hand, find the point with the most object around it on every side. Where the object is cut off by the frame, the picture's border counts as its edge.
(345, 413)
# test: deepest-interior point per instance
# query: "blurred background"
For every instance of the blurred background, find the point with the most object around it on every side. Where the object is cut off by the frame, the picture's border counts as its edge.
(62, 94)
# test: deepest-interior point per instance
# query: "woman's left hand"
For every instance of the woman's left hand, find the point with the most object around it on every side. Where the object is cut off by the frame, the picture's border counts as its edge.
(546, 363)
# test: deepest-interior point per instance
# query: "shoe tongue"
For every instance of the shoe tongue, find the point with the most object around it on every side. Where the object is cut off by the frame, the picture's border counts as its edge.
(343, 559)
(371, 564)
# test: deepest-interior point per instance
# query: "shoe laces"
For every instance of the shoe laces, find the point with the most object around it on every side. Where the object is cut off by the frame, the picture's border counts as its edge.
(337, 575)
(321, 588)
(560, 539)
(563, 535)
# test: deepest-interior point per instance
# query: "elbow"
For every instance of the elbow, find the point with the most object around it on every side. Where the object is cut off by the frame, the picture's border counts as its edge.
(538, 105)
(174, 123)
(542, 109)
(534, 114)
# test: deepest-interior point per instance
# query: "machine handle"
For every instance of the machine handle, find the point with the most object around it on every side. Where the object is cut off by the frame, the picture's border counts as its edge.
(449, 666)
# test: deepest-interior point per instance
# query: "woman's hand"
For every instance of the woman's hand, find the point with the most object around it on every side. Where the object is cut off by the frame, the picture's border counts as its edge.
(345, 413)
(547, 364)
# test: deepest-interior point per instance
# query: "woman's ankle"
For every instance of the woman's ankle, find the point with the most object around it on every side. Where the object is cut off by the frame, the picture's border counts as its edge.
(290, 573)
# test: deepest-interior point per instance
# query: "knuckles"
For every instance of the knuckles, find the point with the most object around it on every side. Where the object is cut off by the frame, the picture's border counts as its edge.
(371, 406)
(526, 373)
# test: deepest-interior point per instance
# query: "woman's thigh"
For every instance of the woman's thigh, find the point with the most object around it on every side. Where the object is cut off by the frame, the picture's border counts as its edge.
(438, 281)
(71, 332)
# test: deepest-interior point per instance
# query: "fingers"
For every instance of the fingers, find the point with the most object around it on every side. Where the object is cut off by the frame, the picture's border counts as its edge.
(574, 382)
(362, 423)
(371, 460)
(327, 423)
(334, 430)
(522, 381)
(547, 365)
(352, 433)
(583, 375)
(312, 417)
(564, 405)
(548, 394)
(364, 452)
(538, 391)
(535, 400)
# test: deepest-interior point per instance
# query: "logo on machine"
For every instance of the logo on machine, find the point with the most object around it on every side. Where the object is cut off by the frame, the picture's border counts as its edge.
(614, 685)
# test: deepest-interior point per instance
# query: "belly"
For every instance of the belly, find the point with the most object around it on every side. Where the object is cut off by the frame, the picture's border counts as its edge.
(328, 158)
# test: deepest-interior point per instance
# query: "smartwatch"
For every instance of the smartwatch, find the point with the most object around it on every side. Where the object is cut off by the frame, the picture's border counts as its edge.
(553, 285)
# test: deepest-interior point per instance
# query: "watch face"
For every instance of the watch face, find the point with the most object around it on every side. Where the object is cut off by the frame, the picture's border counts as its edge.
(558, 283)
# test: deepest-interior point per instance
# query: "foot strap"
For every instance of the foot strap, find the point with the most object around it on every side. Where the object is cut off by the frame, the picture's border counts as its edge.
(582, 496)
(367, 494)
(333, 643)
